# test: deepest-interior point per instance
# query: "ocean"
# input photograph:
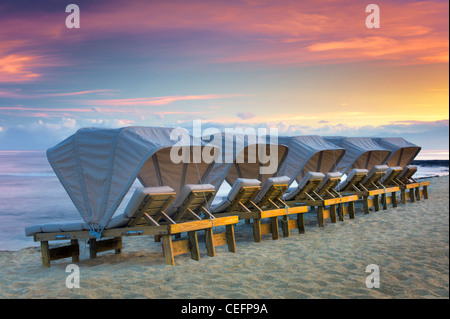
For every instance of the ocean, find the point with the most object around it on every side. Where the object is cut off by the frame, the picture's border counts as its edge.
(30, 193)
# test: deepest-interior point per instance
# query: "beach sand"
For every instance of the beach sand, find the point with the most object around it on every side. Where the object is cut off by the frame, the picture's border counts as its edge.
(410, 244)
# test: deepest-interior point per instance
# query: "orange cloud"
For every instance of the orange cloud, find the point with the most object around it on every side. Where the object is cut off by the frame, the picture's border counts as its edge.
(17, 68)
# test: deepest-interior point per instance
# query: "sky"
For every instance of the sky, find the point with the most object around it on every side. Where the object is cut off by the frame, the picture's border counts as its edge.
(303, 67)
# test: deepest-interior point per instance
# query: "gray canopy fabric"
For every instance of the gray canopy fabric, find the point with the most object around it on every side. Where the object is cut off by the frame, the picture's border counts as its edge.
(240, 158)
(97, 166)
(403, 152)
(360, 153)
(309, 154)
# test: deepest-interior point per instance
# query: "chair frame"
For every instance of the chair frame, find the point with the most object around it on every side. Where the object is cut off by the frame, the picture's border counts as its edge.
(268, 208)
(147, 221)
(324, 198)
(356, 187)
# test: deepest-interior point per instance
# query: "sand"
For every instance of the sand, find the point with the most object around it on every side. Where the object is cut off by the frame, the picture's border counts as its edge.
(410, 244)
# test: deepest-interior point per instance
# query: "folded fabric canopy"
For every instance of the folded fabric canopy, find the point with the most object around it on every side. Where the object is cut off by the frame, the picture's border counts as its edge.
(97, 166)
(241, 157)
(403, 152)
(309, 154)
(360, 153)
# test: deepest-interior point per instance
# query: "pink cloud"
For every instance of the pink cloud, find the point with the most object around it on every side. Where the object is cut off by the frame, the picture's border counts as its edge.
(282, 32)
(161, 100)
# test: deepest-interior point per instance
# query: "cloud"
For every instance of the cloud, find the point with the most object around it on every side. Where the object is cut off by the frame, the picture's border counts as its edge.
(245, 115)
(17, 68)
(160, 100)
(44, 133)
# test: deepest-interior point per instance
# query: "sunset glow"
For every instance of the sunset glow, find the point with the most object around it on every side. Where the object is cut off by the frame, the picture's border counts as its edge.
(305, 67)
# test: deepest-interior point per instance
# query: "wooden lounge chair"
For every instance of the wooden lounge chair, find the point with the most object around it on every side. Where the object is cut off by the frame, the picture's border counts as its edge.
(366, 184)
(145, 214)
(318, 190)
(389, 180)
(408, 182)
(251, 202)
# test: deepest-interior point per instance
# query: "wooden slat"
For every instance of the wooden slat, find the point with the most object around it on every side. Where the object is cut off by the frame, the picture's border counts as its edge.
(266, 228)
(293, 223)
(220, 239)
(109, 244)
(62, 252)
(118, 232)
(180, 247)
(284, 211)
(190, 226)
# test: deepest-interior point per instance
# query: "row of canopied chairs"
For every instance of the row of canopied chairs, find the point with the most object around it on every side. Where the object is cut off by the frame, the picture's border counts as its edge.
(163, 212)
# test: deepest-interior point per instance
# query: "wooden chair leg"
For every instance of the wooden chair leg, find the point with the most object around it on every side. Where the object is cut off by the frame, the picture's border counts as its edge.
(193, 244)
(257, 230)
(45, 252)
(394, 199)
(418, 193)
(285, 225)
(209, 237)
(376, 202)
(366, 205)
(75, 252)
(230, 238)
(301, 223)
(403, 196)
(168, 249)
(425, 192)
(351, 210)
(92, 248)
(333, 214)
(412, 196)
(274, 228)
(384, 201)
(341, 212)
(320, 217)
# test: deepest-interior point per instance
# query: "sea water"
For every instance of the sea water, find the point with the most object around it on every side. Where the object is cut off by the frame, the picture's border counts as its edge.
(30, 194)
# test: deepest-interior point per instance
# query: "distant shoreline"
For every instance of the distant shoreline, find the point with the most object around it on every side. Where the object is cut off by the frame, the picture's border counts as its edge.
(431, 163)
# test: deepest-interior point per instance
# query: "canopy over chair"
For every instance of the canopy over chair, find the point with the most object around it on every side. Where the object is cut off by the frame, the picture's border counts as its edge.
(245, 162)
(243, 156)
(360, 153)
(309, 154)
(402, 151)
(97, 166)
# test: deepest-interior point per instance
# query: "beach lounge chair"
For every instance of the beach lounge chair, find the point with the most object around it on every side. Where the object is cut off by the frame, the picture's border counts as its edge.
(240, 197)
(251, 202)
(390, 180)
(408, 182)
(318, 190)
(372, 180)
(270, 203)
(391, 176)
(366, 184)
(145, 214)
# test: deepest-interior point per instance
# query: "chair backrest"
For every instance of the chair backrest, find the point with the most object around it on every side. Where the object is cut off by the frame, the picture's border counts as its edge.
(354, 179)
(406, 175)
(272, 190)
(309, 183)
(151, 201)
(193, 198)
(375, 174)
(243, 191)
(391, 176)
(326, 189)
